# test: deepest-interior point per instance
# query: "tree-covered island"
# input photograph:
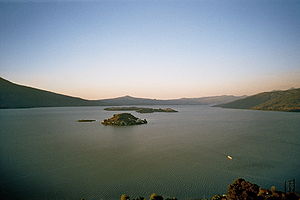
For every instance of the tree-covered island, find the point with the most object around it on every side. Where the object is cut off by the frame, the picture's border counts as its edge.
(123, 119)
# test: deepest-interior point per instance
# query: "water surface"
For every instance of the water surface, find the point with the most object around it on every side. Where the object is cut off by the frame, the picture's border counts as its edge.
(46, 154)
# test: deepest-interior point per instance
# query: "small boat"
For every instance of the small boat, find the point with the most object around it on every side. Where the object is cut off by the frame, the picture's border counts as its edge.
(229, 157)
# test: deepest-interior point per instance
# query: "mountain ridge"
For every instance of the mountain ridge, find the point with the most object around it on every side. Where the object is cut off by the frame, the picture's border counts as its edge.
(282, 100)
(13, 95)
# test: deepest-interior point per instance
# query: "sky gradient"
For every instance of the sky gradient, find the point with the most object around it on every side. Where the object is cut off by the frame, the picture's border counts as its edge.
(154, 49)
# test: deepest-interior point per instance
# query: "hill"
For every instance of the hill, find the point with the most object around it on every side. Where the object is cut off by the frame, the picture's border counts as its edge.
(128, 100)
(19, 96)
(287, 100)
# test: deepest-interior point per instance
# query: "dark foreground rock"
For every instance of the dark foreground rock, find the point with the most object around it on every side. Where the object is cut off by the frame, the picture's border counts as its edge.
(123, 119)
(240, 189)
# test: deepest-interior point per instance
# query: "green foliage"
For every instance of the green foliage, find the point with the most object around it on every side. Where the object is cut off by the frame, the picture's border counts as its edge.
(124, 197)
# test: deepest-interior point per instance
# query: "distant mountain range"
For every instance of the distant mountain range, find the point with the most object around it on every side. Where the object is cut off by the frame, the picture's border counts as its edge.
(287, 100)
(128, 100)
(18, 96)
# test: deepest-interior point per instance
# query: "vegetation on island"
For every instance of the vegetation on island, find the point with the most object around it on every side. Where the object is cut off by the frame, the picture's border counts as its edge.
(240, 189)
(123, 119)
(288, 100)
(86, 120)
(140, 109)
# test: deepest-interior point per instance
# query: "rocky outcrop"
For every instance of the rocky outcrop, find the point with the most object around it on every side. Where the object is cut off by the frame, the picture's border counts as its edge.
(123, 119)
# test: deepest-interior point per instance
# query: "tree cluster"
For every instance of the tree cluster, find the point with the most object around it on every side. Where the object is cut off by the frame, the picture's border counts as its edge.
(153, 196)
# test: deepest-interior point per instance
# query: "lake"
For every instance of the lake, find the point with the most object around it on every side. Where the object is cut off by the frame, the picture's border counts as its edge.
(46, 154)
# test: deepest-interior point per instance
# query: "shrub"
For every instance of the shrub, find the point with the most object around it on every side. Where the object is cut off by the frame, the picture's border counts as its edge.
(124, 197)
(155, 196)
(242, 190)
(217, 197)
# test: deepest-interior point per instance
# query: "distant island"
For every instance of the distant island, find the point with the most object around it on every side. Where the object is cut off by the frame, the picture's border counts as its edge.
(287, 100)
(123, 119)
(141, 109)
(19, 96)
(86, 120)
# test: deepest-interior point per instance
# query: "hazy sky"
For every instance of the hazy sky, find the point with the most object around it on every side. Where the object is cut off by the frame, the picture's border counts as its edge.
(156, 49)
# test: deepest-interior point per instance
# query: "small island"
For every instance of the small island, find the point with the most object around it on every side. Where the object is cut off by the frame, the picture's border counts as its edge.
(86, 120)
(123, 119)
(140, 109)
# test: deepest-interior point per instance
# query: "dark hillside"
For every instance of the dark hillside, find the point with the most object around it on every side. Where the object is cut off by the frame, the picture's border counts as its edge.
(18, 96)
(287, 100)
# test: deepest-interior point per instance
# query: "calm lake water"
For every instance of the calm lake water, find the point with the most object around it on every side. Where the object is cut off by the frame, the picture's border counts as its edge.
(46, 154)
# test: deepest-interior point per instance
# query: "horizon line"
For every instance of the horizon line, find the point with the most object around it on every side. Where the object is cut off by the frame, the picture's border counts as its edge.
(132, 96)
